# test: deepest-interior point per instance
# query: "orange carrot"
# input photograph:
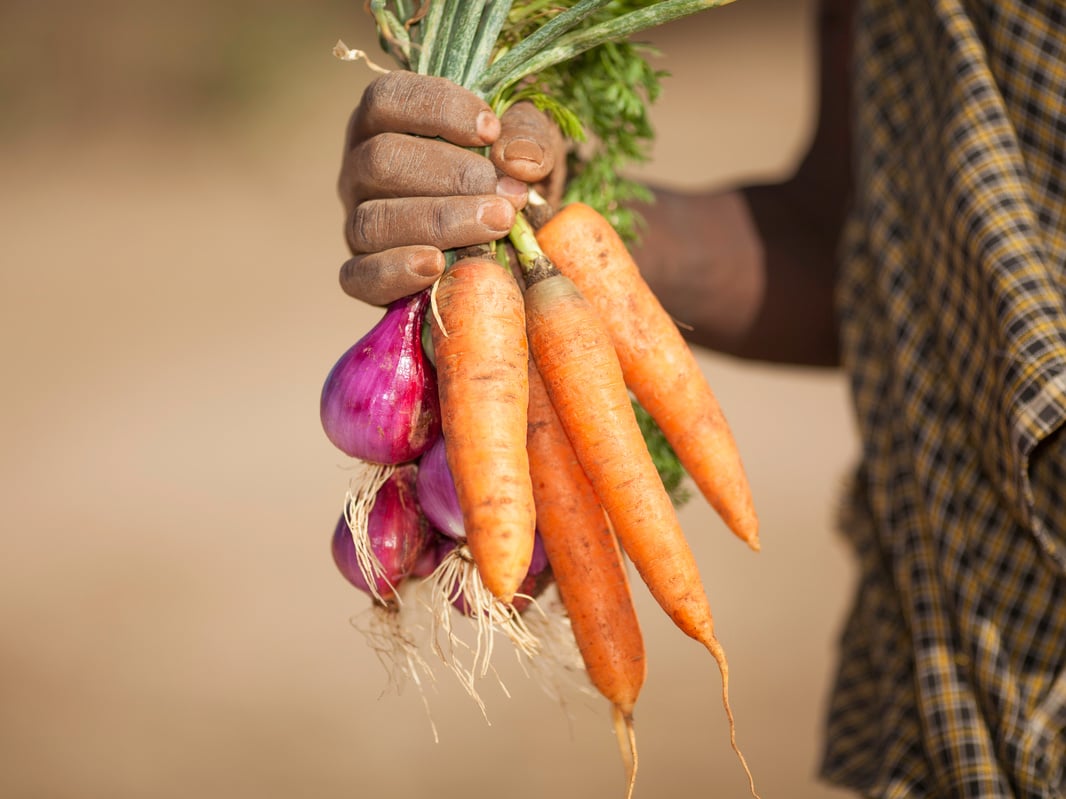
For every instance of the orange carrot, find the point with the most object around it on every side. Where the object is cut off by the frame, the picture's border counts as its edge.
(581, 371)
(658, 364)
(481, 358)
(588, 568)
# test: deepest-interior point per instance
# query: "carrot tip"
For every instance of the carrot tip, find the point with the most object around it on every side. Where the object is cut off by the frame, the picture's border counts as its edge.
(716, 650)
(627, 745)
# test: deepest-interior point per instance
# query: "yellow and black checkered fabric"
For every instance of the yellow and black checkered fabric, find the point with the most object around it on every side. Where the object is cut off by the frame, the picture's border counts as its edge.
(952, 296)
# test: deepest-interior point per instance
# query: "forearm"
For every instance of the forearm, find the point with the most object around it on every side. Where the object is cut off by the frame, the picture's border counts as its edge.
(751, 272)
(746, 272)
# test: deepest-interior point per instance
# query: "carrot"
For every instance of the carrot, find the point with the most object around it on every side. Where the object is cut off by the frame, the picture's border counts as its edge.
(658, 364)
(575, 356)
(588, 568)
(481, 357)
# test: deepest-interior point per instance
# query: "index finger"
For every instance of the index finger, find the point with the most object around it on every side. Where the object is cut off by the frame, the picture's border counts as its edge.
(406, 102)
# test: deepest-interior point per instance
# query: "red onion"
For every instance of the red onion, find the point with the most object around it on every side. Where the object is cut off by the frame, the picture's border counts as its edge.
(379, 402)
(397, 532)
(431, 556)
(436, 492)
(539, 562)
(538, 578)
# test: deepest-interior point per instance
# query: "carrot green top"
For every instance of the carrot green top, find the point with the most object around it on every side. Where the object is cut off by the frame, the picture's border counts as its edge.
(572, 58)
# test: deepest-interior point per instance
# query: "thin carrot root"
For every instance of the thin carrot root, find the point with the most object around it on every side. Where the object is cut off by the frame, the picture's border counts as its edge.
(627, 745)
(362, 493)
(718, 653)
(456, 581)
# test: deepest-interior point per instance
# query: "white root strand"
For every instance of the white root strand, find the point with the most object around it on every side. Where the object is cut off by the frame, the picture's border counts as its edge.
(362, 493)
(385, 631)
(456, 579)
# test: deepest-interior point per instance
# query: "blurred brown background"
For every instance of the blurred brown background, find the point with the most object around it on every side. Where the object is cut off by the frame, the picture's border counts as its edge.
(171, 624)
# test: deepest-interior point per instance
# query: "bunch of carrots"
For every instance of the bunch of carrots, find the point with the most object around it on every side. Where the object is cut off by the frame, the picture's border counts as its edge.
(536, 375)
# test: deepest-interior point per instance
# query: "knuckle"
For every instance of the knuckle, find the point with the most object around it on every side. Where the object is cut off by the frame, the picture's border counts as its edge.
(350, 276)
(474, 175)
(438, 223)
(375, 162)
(366, 228)
(379, 92)
(361, 278)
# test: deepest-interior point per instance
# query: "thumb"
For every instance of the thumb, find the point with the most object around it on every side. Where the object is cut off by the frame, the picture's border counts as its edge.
(529, 146)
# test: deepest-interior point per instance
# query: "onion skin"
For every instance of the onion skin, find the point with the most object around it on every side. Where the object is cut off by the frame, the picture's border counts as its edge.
(379, 402)
(436, 492)
(430, 558)
(537, 579)
(398, 531)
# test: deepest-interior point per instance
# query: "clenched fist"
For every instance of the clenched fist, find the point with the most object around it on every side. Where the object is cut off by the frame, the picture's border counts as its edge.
(411, 187)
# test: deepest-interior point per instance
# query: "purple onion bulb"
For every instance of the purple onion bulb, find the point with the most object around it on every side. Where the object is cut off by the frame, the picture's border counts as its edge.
(538, 577)
(436, 492)
(398, 533)
(379, 402)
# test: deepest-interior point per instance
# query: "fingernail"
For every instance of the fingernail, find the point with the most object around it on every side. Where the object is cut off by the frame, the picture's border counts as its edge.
(496, 215)
(524, 150)
(488, 126)
(427, 263)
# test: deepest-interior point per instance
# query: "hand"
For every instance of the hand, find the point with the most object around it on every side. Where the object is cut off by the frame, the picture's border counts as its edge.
(412, 189)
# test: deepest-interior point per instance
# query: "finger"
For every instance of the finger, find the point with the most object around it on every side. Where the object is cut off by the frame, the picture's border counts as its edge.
(514, 191)
(405, 102)
(528, 144)
(395, 165)
(381, 277)
(441, 222)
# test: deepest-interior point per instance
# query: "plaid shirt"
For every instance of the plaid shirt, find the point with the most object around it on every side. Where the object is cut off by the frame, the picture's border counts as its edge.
(952, 296)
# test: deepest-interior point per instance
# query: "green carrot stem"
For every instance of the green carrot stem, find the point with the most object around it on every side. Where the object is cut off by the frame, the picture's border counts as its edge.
(492, 22)
(405, 9)
(531, 8)
(435, 30)
(395, 37)
(543, 36)
(465, 23)
(576, 42)
(535, 264)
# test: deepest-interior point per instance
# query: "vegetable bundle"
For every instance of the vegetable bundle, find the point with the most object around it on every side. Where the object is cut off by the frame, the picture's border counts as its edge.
(518, 458)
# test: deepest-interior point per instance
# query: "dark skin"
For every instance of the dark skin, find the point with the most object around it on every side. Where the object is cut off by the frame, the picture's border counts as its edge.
(751, 272)
(748, 272)
(411, 188)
